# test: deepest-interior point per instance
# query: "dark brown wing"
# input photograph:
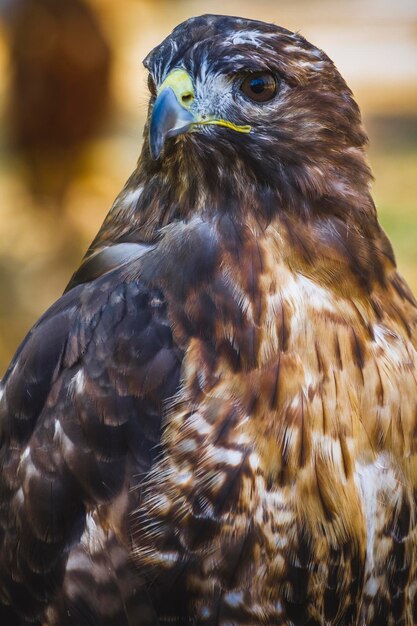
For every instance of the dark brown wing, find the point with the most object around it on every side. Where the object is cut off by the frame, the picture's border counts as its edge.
(80, 419)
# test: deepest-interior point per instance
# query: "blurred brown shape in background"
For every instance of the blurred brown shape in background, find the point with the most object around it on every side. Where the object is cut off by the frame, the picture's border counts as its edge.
(59, 95)
(57, 102)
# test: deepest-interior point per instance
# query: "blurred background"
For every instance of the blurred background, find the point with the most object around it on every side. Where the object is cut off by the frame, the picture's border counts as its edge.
(72, 105)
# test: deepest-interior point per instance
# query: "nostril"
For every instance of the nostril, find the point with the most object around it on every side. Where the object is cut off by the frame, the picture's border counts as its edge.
(187, 97)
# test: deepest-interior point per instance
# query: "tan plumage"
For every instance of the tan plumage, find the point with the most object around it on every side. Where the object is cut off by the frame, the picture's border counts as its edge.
(308, 449)
(227, 417)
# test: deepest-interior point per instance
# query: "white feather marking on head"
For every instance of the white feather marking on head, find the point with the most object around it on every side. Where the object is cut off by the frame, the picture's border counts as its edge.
(254, 37)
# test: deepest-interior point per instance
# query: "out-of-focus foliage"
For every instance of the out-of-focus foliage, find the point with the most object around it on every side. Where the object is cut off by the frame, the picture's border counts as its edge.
(63, 157)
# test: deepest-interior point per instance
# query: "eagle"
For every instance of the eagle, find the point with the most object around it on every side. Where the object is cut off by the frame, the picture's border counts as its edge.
(216, 424)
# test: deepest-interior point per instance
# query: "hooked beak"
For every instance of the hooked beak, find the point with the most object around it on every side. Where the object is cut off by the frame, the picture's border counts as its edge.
(171, 115)
(168, 119)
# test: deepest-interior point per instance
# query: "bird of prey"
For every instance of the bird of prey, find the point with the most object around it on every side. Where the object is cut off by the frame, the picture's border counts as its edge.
(216, 424)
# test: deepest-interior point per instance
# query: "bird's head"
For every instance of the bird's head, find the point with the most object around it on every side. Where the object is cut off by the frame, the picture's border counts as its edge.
(244, 108)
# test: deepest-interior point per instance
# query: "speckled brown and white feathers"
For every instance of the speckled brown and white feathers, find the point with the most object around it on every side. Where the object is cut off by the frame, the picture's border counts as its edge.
(216, 424)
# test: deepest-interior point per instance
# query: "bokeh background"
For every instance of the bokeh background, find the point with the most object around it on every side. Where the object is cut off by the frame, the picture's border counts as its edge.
(73, 99)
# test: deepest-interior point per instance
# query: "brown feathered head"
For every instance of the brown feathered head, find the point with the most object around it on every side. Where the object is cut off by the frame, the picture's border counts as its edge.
(249, 120)
(251, 111)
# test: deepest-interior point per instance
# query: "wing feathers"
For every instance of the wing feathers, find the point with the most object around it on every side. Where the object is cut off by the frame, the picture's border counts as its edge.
(81, 418)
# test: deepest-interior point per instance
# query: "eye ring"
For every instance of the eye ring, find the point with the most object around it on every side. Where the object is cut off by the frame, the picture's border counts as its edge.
(151, 86)
(260, 86)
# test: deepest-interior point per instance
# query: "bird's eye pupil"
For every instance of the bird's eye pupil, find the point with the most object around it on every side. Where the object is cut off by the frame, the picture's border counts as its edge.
(260, 87)
(257, 85)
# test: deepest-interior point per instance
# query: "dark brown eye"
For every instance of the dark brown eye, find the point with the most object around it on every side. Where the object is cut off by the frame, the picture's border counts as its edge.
(151, 85)
(261, 86)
